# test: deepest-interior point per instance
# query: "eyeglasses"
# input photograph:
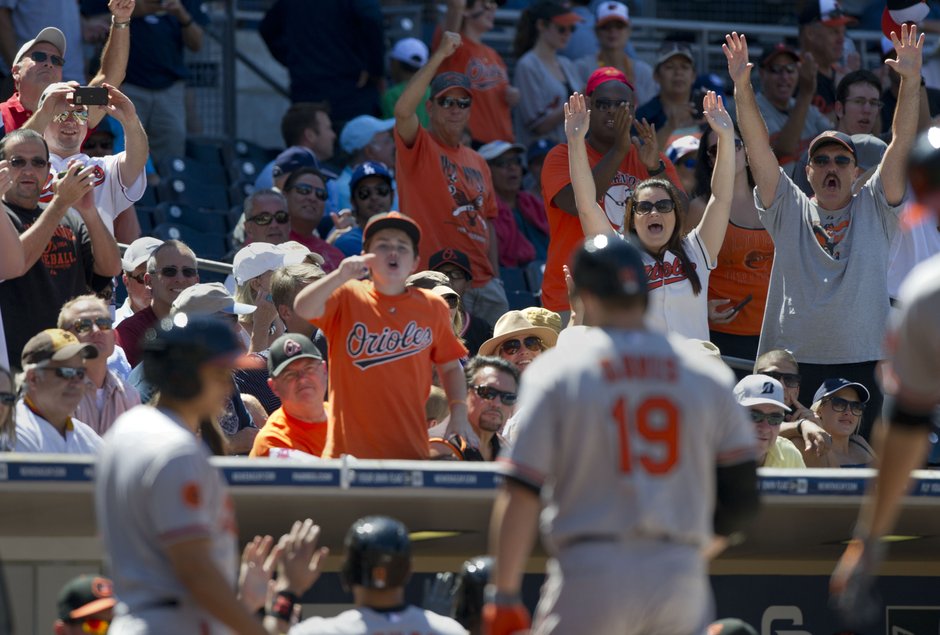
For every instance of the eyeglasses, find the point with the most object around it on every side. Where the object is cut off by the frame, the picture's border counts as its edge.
(80, 116)
(138, 278)
(489, 393)
(172, 272)
(839, 405)
(364, 192)
(306, 371)
(40, 57)
(95, 626)
(663, 206)
(612, 104)
(98, 145)
(770, 418)
(780, 69)
(456, 274)
(511, 347)
(305, 189)
(506, 162)
(861, 101)
(713, 149)
(7, 398)
(265, 218)
(85, 325)
(67, 372)
(562, 29)
(821, 160)
(449, 102)
(20, 162)
(790, 380)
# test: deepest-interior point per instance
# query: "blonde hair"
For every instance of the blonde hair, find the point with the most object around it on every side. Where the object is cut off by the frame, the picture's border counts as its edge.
(7, 424)
(246, 294)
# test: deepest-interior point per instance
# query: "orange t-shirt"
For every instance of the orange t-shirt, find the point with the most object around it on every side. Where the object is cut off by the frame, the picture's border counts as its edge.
(564, 230)
(449, 192)
(382, 350)
(281, 430)
(744, 264)
(490, 117)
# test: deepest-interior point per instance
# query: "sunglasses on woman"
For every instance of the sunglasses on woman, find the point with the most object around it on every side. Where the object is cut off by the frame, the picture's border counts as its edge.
(489, 394)
(533, 343)
(84, 325)
(305, 189)
(265, 218)
(840, 405)
(663, 206)
(770, 418)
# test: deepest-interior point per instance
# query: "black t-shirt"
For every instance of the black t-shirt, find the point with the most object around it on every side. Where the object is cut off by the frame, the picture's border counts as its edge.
(65, 269)
(825, 97)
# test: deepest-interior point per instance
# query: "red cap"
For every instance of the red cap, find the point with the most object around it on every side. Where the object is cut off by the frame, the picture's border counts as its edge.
(603, 75)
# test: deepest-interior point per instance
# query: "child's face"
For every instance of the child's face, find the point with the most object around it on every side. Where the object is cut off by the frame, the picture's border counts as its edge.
(395, 256)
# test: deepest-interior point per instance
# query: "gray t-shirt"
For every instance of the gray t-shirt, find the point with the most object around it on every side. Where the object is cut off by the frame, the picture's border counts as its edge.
(815, 124)
(541, 91)
(644, 86)
(828, 296)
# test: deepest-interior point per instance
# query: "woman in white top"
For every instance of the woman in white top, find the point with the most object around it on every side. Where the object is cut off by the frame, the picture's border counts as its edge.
(677, 267)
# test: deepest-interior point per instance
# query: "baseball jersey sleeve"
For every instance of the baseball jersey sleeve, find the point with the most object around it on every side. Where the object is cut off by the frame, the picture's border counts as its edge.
(178, 506)
(123, 195)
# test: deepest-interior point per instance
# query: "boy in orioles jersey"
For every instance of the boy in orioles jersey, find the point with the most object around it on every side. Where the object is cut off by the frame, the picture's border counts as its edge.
(384, 340)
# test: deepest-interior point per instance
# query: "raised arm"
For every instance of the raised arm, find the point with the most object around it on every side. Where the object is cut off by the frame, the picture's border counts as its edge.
(577, 120)
(909, 50)
(311, 301)
(763, 162)
(134, 158)
(12, 259)
(406, 118)
(453, 19)
(787, 141)
(714, 221)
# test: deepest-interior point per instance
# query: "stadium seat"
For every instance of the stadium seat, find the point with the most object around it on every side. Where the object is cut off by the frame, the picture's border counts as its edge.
(206, 245)
(145, 218)
(193, 171)
(149, 199)
(248, 159)
(208, 149)
(203, 220)
(196, 194)
(519, 300)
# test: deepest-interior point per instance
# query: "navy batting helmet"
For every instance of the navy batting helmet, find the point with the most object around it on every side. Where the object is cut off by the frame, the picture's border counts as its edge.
(378, 553)
(924, 163)
(609, 267)
(473, 577)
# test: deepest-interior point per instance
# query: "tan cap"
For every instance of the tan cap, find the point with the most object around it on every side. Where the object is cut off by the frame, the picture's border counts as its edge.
(208, 298)
(50, 34)
(55, 345)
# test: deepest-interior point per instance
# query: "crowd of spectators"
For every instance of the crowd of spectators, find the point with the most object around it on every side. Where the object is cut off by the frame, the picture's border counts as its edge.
(376, 254)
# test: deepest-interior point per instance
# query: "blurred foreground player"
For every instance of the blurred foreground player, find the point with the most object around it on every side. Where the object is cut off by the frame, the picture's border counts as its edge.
(639, 454)
(167, 522)
(911, 383)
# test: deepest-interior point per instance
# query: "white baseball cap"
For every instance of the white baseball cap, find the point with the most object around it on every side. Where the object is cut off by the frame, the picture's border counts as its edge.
(682, 146)
(608, 11)
(138, 252)
(495, 149)
(760, 389)
(411, 51)
(257, 259)
(50, 34)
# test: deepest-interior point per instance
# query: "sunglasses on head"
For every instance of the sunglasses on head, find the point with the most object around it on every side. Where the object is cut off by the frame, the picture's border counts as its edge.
(449, 102)
(7, 398)
(265, 218)
(305, 189)
(172, 272)
(489, 394)
(85, 325)
(771, 418)
(790, 380)
(363, 192)
(40, 57)
(713, 149)
(839, 405)
(20, 162)
(80, 116)
(533, 343)
(67, 372)
(663, 206)
(840, 160)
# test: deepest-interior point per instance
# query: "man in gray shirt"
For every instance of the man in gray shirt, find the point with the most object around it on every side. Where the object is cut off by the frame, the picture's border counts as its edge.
(828, 298)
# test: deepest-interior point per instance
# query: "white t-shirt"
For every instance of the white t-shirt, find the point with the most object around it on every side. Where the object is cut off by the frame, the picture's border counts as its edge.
(917, 241)
(111, 195)
(35, 434)
(366, 621)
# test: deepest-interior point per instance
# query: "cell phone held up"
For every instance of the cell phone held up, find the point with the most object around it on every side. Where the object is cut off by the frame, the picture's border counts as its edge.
(743, 303)
(90, 96)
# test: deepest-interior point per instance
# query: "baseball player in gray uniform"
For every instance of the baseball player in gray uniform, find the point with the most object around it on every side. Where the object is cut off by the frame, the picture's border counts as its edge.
(911, 382)
(166, 519)
(639, 455)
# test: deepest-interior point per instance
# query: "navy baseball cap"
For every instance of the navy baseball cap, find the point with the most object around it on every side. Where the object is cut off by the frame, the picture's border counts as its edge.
(451, 256)
(609, 267)
(292, 159)
(369, 168)
(835, 384)
(445, 81)
(539, 149)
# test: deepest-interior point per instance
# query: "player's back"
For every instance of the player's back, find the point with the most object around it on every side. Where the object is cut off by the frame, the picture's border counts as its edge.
(914, 335)
(366, 621)
(630, 430)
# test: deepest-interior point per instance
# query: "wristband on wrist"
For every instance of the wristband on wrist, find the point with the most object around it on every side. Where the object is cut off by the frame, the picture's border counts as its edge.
(456, 402)
(283, 607)
(799, 427)
(659, 170)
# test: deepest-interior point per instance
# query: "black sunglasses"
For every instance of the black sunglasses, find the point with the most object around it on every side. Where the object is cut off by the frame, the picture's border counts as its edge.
(533, 343)
(663, 206)
(98, 145)
(40, 57)
(839, 405)
(85, 325)
(772, 418)
(7, 398)
(138, 278)
(449, 102)
(840, 160)
(67, 372)
(172, 272)
(790, 380)
(20, 162)
(305, 189)
(265, 218)
(489, 393)
(364, 191)
(713, 149)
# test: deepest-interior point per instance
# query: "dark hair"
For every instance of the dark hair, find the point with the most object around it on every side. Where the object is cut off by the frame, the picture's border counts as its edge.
(296, 174)
(299, 117)
(704, 167)
(526, 33)
(22, 134)
(675, 240)
(856, 77)
(478, 363)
